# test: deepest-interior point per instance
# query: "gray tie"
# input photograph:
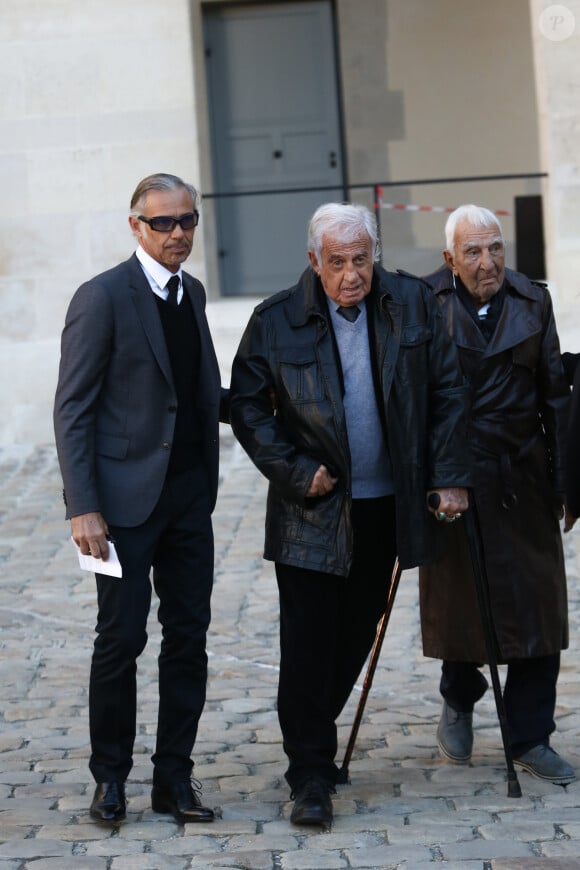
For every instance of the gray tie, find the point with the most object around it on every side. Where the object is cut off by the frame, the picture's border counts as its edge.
(351, 313)
(173, 286)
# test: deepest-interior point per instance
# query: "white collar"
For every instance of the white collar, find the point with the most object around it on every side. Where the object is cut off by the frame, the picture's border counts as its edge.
(156, 273)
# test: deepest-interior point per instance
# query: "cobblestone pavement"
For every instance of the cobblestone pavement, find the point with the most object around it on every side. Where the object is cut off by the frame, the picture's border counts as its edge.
(404, 808)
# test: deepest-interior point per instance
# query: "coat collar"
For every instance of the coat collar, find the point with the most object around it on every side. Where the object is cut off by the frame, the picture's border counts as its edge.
(310, 296)
(516, 322)
(441, 281)
(309, 300)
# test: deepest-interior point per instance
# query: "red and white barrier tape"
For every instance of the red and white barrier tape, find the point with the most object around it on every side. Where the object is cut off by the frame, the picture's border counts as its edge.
(405, 206)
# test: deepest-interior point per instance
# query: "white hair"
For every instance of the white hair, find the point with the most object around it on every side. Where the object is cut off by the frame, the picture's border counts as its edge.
(475, 215)
(344, 222)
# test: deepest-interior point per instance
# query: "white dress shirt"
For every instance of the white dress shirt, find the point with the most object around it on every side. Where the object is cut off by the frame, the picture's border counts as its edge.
(157, 275)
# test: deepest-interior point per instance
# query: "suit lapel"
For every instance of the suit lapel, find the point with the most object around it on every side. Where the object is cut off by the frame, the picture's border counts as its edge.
(208, 361)
(146, 306)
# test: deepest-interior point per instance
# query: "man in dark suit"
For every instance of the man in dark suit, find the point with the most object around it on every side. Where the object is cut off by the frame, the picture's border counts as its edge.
(136, 419)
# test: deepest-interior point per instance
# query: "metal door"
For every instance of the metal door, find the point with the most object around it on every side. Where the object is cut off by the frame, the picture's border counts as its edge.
(275, 127)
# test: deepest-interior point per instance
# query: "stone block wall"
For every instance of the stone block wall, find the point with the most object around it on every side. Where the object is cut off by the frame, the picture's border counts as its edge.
(95, 95)
(556, 42)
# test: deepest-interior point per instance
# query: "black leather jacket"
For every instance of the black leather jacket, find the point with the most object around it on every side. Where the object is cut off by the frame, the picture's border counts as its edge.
(288, 346)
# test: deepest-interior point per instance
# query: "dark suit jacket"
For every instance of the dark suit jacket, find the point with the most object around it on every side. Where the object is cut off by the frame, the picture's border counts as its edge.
(114, 412)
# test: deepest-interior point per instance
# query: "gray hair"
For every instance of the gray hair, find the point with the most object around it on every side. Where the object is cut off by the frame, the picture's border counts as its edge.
(160, 181)
(343, 222)
(476, 215)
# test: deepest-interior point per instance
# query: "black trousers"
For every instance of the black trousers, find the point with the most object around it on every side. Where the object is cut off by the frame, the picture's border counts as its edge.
(529, 696)
(177, 542)
(327, 628)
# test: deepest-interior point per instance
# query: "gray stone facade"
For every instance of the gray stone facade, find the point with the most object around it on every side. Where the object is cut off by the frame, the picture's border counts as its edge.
(96, 95)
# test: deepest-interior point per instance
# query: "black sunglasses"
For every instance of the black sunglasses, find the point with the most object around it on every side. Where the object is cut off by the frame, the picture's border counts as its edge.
(166, 224)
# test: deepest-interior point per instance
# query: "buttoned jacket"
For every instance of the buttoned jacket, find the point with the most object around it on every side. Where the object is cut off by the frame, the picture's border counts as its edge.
(115, 406)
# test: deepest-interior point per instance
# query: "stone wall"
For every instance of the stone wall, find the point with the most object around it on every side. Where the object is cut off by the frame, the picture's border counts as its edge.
(99, 93)
(556, 42)
(95, 95)
(438, 89)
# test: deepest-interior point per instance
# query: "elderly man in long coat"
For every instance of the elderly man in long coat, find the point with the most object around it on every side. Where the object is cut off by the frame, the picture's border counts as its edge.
(504, 329)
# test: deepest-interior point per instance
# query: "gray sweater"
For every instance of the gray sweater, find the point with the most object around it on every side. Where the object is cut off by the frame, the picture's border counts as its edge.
(370, 463)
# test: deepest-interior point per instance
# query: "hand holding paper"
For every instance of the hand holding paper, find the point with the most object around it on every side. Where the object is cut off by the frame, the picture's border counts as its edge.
(112, 566)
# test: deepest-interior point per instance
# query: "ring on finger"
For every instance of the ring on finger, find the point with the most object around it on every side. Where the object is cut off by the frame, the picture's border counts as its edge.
(441, 516)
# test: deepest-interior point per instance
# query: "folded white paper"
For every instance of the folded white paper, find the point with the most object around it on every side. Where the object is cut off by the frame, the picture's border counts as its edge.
(112, 566)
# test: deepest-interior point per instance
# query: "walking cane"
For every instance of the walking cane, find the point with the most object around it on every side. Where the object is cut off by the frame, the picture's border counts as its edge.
(372, 665)
(473, 533)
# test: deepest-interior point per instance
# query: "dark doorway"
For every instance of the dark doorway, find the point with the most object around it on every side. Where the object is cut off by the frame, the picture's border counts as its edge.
(275, 126)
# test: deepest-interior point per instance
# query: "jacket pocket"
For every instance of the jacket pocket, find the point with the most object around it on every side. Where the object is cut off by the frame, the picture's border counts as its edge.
(413, 362)
(113, 446)
(414, 335)
(301, 380)
(312, 523)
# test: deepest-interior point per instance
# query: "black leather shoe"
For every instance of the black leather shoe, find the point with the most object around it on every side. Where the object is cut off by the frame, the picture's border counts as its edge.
(109, 803)
(312, 804)
(182, 800)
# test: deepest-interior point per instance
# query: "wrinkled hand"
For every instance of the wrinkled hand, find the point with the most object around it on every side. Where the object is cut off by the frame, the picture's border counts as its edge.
(322, 482)
(89, 533)
(452, 503)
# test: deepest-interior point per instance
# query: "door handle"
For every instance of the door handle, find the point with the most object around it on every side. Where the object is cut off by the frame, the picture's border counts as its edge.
(276, 154)
(332, 159)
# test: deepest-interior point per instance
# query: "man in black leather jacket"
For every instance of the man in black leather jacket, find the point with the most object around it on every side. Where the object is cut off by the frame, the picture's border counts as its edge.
(367, 420)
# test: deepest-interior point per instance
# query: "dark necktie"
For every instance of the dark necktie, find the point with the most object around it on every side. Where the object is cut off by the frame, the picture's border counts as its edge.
(173, 286)
(351, 313)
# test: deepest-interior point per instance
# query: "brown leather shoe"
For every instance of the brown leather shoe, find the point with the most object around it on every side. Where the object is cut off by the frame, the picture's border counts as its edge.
(109, 803)
(182, 800)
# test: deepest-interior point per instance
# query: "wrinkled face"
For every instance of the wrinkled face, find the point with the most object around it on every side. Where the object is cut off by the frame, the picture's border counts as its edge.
(172, 248)
(479, 260)
(345, 269)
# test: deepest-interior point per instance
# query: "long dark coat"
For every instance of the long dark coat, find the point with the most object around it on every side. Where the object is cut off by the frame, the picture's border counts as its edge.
(572, 362)
(516, 429)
